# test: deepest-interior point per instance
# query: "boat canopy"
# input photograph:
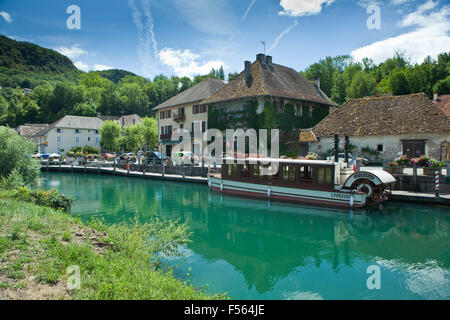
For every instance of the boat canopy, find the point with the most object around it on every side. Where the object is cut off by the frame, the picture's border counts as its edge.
(275, 160)
(377, 177)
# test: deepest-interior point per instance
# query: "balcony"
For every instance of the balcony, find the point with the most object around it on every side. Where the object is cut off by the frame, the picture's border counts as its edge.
(166, 137)
(181, 117)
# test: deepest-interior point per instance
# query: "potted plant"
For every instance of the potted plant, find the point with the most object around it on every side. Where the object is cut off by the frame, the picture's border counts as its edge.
(394, 168)
(433, 166)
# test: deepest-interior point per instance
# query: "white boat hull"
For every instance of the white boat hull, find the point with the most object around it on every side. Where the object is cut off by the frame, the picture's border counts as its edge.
(340, 199)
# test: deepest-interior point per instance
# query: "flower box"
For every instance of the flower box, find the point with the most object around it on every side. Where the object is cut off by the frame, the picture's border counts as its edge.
(394, 170)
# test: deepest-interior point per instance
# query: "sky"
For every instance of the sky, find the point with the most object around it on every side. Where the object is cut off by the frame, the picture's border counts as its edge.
(190, 37)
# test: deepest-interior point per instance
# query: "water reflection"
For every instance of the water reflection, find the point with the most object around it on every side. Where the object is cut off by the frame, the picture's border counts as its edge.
(283, 251)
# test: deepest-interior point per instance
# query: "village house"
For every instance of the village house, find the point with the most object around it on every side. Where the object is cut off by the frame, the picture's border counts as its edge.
(264, 83)
(28, 130)
(69, 132)
(184, 112)
(72, 131)
(389, 125)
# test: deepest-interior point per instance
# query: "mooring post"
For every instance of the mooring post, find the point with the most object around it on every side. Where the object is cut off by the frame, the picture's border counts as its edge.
(415, 172)
(384, 165)
(438, 173)
(114, 165)
(336, 148)
(347, 147)
(448, 168)
(162, 168)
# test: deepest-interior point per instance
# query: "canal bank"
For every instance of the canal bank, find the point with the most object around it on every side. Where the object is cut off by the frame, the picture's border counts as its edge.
(397, 195)
(255, 249)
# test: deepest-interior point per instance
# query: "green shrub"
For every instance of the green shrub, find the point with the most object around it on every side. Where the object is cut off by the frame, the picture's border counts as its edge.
(52, 199)
(15, 158)
(13, 181)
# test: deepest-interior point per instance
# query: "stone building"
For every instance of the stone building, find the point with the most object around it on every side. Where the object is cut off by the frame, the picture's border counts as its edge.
(391, 125)
(295, 102)
(184, 111)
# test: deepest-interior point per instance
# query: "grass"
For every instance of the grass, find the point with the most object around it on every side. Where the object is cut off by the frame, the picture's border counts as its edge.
(39, 244)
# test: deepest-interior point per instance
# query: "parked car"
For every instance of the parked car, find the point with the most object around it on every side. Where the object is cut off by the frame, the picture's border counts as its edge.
(156, 157)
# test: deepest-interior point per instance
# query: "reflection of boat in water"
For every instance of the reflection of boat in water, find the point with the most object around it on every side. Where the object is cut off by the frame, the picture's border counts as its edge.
(280, 207)
(301, 181)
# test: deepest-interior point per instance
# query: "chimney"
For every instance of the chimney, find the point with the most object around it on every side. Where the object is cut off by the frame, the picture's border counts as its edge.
(317, 83)
(435, 97)
(261, 57)
(269, 60)
(248, 71)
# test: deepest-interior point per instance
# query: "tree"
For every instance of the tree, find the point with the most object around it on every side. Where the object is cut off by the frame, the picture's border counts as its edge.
(109, 133)
(338, 93)
(15, 157)
(150, 131)
(363, 85)
(134, 138)
(398, 84)
(133, 100)
(442, 87)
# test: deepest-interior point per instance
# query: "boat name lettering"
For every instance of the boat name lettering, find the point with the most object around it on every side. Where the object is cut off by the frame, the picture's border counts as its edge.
(340, 196)
(364, 175)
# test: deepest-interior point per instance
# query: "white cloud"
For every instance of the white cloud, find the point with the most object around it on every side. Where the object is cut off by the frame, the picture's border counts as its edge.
(248, 9)
(428, 39)
(281, 36)
(101, 67)
(82, 66)
(399, 2)
(73, 52)
(148, 46)
(186, 63)
(6, 16)
(297, 8)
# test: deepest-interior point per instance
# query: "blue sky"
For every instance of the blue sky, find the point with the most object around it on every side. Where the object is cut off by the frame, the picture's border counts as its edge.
(189, 37)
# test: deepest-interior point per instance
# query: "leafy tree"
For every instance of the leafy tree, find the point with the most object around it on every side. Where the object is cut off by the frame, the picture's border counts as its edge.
(442, 87)
(133, 100)
(109, 133)
(338, 93)
(398, 83)
(16, 160)
(150, 131)
(134, 138)
(363, 85)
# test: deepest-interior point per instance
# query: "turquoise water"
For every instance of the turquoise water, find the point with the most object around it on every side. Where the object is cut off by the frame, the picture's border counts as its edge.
(255, 249)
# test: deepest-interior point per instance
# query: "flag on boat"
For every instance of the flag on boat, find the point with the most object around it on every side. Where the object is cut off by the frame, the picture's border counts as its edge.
(353, 164)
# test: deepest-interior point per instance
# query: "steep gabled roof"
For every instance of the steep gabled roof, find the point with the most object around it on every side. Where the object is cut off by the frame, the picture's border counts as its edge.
(269, 79)
(443, 103)
(197, 93)
(385, 115)
(73, 122)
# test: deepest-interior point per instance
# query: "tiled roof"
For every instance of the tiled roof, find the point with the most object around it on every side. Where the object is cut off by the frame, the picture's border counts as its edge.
(73, 122)
(307, 135)
(197, 93)
(126, 121)
(29, 130)
(385, 115)
(270, 80)
(443, 103)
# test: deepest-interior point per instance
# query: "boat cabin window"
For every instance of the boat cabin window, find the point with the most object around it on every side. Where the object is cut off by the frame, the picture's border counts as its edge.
(288, 173)
(324, 176)
(305, 174)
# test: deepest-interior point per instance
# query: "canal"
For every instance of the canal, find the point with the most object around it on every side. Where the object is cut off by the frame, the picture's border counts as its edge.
(254, 249)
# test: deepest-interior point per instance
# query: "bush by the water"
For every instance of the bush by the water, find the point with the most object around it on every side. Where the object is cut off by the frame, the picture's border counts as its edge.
(52, 198)
(17, 167)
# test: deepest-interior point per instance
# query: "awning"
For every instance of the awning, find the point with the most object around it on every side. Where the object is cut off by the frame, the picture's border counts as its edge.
(169, 142)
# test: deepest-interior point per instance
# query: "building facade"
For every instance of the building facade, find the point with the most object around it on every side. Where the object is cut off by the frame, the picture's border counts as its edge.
(268, 95)
(391, 126)
(184, 112)
(67, 133)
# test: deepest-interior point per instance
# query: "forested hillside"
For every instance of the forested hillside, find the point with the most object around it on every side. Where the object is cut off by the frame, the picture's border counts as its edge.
(341, 78)
(60, 89)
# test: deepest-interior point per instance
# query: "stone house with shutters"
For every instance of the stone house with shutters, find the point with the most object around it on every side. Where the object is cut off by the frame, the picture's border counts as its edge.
(393, 125)
(296, 102)
(184, 112)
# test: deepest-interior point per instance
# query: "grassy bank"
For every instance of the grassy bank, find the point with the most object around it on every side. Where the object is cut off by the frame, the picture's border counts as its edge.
(38, 244)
